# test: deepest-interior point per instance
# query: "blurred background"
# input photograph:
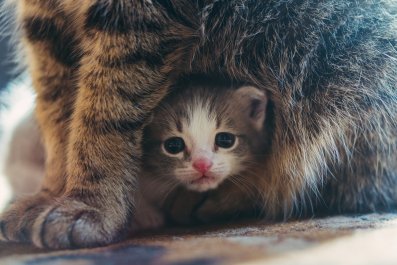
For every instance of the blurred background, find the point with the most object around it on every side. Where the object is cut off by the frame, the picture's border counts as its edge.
(5, 65)
(6, 75)
(5, 55)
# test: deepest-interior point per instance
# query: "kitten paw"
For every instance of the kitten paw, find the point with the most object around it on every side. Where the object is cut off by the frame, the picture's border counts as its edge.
(65, 223)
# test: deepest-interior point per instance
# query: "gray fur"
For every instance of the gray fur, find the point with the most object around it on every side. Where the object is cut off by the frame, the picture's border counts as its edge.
(330, 67)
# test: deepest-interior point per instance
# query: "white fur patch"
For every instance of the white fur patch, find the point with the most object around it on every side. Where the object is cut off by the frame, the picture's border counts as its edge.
(202, 126)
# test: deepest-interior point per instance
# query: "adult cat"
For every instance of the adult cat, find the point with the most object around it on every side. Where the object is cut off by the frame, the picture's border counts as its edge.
(99, 68)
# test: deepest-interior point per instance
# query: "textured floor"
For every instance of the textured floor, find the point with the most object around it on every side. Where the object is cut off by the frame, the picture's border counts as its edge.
(365, 239)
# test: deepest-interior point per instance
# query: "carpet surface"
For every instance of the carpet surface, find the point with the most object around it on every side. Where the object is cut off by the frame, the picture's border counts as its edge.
(363, 239)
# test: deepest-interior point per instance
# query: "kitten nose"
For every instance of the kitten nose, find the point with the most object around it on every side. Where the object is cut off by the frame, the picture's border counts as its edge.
(202, 165)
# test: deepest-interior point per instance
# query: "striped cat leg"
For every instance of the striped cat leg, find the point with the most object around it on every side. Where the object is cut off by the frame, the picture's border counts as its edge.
(49, 43)
(121, 79)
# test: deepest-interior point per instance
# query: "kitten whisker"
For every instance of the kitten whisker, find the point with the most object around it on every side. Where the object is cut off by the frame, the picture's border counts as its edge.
(239, 181)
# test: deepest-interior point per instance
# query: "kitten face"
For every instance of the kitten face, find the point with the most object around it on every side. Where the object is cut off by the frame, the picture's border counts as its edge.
(205, 148)
(201, 137)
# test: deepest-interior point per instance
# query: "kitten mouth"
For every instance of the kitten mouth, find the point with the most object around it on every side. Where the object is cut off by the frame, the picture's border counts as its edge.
(204, 179)
(203, 183)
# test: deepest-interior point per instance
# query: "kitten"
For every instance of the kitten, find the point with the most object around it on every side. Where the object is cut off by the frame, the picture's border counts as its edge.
(207, 142)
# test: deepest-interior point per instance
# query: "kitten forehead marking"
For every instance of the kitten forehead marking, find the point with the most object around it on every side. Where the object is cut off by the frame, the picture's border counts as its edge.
(202, 125)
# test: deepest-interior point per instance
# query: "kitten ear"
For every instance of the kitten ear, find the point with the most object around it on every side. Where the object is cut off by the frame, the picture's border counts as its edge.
(253, 103)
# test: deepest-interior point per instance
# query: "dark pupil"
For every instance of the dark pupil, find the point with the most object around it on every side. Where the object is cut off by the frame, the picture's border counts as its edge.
(174, 145)
(225, 140)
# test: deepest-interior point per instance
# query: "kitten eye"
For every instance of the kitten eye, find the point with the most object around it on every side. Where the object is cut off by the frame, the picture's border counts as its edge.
(225, 140)
(174, 145)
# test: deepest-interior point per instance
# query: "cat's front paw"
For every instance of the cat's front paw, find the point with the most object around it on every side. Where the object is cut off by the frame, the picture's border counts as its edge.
(59, 224)
(16, 223)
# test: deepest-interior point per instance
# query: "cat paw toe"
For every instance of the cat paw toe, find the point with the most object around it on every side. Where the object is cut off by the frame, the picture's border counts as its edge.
(16, 222)
(72, 224)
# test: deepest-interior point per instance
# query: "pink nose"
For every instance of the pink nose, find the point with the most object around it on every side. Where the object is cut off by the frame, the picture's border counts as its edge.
(202, 165)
